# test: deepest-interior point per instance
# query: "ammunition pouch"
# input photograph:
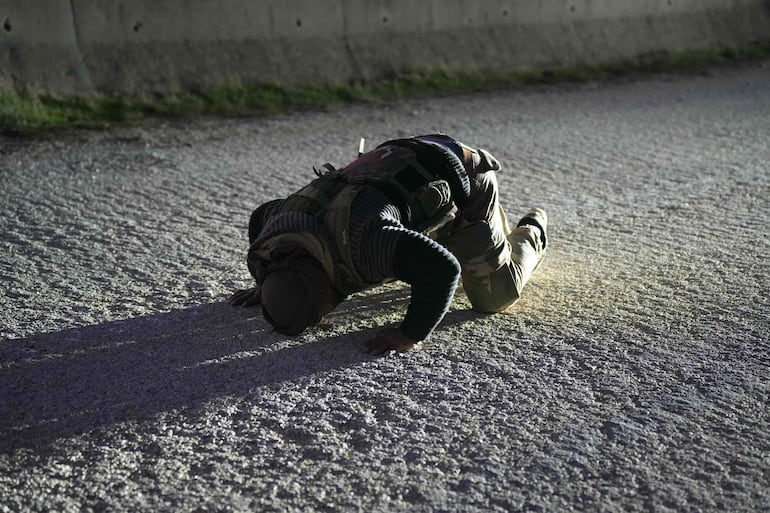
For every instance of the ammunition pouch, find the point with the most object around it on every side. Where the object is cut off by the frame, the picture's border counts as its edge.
(432, 208)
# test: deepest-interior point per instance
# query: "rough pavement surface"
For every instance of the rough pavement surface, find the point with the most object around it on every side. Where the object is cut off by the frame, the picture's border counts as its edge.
(632, 375)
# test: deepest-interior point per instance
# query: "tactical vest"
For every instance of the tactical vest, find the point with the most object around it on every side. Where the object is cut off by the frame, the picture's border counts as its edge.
(424, 199)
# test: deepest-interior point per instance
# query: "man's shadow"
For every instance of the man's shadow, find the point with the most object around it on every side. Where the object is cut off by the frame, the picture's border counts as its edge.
(59, 384)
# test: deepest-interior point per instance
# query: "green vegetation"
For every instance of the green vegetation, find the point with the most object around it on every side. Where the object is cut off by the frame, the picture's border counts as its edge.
(33, 113)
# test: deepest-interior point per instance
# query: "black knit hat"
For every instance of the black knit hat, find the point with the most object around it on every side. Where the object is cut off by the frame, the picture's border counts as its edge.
(291, 294)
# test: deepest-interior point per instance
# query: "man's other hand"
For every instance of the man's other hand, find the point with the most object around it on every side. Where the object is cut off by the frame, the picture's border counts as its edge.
(389, 340)
(247, 297)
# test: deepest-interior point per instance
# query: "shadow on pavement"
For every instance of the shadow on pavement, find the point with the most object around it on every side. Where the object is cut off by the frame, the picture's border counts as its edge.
(59, 384)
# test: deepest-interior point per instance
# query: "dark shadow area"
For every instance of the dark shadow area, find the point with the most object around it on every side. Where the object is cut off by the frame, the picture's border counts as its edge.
(59, 384)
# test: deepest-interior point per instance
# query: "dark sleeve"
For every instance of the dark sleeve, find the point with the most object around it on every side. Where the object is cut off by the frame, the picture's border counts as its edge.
(433, 273)
(259, 217)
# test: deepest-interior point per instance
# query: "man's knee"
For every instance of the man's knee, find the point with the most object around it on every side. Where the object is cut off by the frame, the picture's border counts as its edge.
(494, 292)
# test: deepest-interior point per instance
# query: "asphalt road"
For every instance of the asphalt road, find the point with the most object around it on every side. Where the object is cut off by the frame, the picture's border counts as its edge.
(632, 375)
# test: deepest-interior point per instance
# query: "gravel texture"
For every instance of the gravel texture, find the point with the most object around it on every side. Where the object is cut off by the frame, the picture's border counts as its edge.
(632, 375)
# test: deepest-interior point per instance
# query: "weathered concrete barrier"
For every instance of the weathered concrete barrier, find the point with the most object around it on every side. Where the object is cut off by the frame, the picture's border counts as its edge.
(39, 48)
(82, 47)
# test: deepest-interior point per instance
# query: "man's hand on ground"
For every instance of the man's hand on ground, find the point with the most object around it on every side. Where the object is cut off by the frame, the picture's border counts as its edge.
(247, 297)
(389, 340)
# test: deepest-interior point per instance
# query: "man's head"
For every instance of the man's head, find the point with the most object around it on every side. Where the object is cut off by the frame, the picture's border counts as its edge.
(297, 294)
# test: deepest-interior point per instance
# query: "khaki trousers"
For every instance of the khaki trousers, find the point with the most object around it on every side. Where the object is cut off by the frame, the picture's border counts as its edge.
(496, 260)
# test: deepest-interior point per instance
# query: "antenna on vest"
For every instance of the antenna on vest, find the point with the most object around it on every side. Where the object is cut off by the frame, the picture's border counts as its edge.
(361, 145)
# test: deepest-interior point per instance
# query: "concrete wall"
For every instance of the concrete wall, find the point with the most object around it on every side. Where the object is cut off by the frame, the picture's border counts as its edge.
(79, 47)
